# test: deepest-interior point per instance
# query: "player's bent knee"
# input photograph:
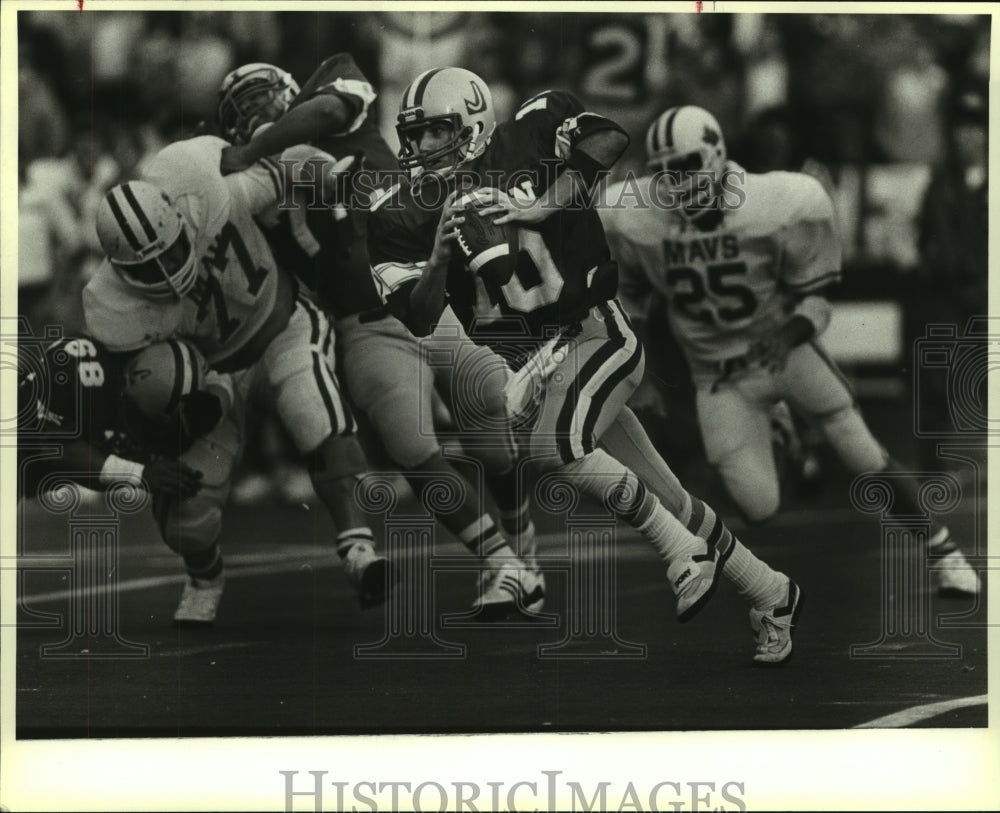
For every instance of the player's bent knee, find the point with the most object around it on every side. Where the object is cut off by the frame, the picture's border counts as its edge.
(311, 407)
(849, 435)
(193, 525)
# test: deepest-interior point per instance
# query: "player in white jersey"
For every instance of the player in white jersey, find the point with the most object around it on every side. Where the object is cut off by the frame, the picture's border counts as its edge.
(186, 259)
(742, 260)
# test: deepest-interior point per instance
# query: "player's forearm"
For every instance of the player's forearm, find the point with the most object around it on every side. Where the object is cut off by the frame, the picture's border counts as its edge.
(90, 467)
(427, 299)
(319, 117)
(589, 162)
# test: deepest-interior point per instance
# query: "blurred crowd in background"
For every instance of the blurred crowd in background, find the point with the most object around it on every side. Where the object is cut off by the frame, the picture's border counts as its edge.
(893, 107)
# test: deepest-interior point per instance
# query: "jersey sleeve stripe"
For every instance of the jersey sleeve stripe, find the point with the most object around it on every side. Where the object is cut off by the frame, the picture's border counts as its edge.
(140, 215)
(814, 284)
(275, 174)
(122, 222)
(392, 275)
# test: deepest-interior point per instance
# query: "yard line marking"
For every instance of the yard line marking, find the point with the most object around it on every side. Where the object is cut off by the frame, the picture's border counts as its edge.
(205, 648)
(131, 585)
(916, 714)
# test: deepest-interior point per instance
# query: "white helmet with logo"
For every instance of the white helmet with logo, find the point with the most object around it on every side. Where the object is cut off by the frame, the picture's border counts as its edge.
(158, 375)
(146, 240)
(686, 144)
(251, 96)
(453, 95)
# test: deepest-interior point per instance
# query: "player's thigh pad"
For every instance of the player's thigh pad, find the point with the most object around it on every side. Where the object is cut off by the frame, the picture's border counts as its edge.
(194, 524)
(593, 375)
(815, 386)
(389, 380)
(737, 436)
(299, 365)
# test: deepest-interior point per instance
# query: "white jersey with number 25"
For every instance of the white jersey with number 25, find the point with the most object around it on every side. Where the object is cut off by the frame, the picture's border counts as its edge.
(728, 286)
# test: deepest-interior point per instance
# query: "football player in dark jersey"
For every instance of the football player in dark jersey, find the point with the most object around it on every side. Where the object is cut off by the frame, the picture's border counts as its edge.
(387, 371)
(70, 394)
(551, 311)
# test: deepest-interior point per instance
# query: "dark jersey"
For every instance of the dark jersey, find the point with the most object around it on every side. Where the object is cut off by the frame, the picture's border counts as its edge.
(69, 390)
(551, 284)
(326, 254)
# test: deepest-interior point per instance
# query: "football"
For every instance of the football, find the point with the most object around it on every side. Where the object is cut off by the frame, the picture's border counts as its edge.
(487, 247)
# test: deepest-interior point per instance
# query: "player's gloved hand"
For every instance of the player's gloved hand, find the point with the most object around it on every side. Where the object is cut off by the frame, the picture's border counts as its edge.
(171, 478)
(770, 354)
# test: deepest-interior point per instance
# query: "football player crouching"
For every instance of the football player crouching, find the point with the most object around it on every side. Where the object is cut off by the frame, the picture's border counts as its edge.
(186, 260)
(70, 393)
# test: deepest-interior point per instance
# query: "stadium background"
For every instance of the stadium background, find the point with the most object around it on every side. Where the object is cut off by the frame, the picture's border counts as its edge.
(872, 99)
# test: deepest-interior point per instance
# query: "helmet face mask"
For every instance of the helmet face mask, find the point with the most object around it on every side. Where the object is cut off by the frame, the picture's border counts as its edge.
(253, 95)
(685, 146)
(146, 241)
(452, 96)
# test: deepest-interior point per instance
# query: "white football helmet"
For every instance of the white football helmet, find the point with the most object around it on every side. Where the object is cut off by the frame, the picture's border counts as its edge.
(453, 95)
(158, 375)
(686, 145)
(146, 240)
(251, 96)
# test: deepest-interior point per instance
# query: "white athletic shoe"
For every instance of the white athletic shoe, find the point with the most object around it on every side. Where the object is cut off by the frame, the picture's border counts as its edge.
(371, 574)
(199, 601)
(955, 576)
(693, 582)
(512, 588)
(773, 628)
(529, 555)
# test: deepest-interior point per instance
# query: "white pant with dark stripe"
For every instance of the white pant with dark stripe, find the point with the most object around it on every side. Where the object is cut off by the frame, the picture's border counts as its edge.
(299, 367)
(735, 424)
(576, 384)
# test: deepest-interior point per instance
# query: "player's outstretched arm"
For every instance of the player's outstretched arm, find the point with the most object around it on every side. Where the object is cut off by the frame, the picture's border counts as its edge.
(591, 159)
(427, 299)
(320, 116)
(93, 468)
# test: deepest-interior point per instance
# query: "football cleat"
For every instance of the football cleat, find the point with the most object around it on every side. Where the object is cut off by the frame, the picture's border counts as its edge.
(773, 628)
(955, 576)
(693, 580)
(199, 601)
(511, 588)
(371, 574)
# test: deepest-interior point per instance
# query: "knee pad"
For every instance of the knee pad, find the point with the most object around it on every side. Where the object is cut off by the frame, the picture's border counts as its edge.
(846, 431)
(337, 457)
